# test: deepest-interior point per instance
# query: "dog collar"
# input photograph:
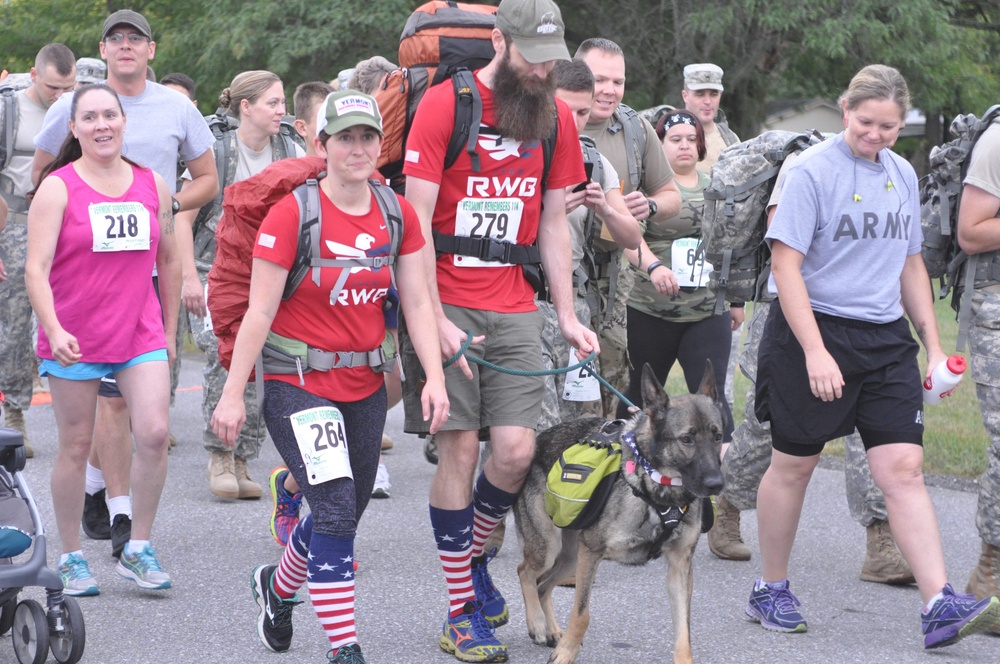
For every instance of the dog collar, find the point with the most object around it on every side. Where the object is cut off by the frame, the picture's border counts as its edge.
(655, 475)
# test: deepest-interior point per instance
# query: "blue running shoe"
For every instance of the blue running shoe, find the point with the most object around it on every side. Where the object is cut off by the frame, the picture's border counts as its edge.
(143, 568)
(286, 506)
(76, 577)
(494, 606)
(773, 606)
(954, 617)
(469, 637)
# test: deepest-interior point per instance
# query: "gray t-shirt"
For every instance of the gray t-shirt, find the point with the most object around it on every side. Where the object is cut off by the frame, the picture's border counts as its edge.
(578, 217)
(162, 124)
(856, 222)
(250, 162)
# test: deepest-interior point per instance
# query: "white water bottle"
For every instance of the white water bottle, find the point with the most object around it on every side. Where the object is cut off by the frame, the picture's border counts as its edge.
(945, 377)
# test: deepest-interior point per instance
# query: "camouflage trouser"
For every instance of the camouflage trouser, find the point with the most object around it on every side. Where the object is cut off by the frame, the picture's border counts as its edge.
(175, 368)
(613, 363)
(214, 379)
(984, 347)
(17, 354)
(750, 453)
(734, 354)
(555, 353)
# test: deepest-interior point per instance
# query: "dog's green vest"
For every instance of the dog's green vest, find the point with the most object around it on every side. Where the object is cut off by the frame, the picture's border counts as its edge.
(579, 482)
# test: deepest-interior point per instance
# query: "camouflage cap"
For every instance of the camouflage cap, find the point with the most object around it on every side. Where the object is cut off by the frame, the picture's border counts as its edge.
(703, 76)
(91, 70)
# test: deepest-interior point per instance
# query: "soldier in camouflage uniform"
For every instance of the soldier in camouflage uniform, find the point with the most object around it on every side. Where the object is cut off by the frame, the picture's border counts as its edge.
(702, 95)
(601, 200)
(248, 142)
(978, 216)
(649, 192)
(22, 113)
(749, 456)
(671, 309)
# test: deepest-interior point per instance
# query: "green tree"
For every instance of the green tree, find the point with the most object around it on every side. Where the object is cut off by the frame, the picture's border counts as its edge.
(298, 40)
(769, 50)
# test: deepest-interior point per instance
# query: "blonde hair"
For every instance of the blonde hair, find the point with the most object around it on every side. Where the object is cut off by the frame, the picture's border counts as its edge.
(249, 85)
(878, 82)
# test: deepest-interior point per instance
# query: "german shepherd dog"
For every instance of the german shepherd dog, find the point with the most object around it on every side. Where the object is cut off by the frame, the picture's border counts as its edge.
(655, 507)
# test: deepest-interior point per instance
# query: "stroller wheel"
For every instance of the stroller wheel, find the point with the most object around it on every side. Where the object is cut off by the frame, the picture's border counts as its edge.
(7, 615)
(30, 633)
(67, 646)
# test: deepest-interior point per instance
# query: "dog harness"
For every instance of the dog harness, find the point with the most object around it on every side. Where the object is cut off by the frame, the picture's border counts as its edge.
(670, 515)
(655, 475)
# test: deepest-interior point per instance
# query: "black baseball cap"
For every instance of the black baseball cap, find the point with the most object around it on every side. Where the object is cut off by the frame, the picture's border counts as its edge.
(130, 18)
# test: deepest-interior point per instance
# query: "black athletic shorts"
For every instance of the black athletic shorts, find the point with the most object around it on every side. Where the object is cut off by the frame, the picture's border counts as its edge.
(882, 395)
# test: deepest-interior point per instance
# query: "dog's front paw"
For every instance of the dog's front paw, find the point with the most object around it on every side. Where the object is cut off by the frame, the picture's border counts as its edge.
(564, 655)
(552, 639)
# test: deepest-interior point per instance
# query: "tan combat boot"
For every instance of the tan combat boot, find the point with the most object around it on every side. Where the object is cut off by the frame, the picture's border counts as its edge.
(14, 419)
(985, 578)
(724, 538)
(248, 489)
(883, 561)
(386, 442)
(222, 475)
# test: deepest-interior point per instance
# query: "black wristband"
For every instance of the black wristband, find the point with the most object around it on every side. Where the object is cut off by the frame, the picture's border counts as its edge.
(653, 266)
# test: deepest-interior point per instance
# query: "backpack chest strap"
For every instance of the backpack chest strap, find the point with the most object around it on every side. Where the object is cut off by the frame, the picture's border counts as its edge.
(487, 249)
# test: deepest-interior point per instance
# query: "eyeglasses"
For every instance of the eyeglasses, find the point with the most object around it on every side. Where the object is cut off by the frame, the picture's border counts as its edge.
(133, 38)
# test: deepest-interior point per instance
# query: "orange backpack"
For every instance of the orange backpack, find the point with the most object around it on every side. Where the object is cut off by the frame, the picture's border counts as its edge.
(441, 40)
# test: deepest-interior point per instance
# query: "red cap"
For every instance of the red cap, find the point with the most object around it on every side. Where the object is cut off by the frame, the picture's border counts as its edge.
(956, 364)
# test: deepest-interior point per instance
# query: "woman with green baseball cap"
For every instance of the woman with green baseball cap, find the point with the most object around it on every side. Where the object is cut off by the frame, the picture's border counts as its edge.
(326, 421)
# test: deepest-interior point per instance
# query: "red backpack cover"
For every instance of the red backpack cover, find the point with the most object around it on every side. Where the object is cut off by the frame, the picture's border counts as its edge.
(244, 206)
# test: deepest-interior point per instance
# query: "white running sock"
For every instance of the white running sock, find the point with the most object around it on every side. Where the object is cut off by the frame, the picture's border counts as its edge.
(95, 480)
(933, 601)
(134, 546)
(120, 505)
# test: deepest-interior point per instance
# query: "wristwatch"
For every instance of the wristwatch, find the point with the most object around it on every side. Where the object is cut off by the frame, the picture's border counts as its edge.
(175, 205)
(652, 207)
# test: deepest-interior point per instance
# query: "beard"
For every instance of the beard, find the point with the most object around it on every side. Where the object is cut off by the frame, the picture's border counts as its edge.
(524, 106)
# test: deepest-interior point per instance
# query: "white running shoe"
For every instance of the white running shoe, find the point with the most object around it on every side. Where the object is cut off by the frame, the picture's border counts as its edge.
(382, 486)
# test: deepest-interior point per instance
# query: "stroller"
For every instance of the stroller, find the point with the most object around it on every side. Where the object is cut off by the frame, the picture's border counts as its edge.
(34, 630)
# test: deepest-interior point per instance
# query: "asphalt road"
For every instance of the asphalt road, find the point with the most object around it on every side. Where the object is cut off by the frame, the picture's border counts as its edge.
(210, 547)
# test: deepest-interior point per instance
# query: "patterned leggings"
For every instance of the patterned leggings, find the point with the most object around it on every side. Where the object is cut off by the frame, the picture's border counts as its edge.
(337, 505)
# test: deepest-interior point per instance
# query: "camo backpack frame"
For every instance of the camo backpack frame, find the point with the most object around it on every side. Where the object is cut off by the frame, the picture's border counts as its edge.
(735, 217)
(940, 197)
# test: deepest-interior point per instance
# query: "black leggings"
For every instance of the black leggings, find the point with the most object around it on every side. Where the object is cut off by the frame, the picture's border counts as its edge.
(337, 505)
(659, 343)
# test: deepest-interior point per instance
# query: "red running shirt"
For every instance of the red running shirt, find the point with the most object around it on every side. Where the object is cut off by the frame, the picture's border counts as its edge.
(503, 200)
(354, 321)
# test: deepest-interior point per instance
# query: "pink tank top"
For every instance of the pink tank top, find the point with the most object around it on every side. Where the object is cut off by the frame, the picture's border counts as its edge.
(101, 282)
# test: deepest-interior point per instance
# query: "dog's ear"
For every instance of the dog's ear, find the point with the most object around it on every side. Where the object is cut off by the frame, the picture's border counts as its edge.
(653, 394)
(708, 387)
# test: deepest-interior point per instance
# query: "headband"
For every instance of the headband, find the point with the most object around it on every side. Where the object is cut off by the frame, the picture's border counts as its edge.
(676, 119)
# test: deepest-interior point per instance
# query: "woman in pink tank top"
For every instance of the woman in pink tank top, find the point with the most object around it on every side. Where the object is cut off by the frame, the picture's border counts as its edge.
(97, 226)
